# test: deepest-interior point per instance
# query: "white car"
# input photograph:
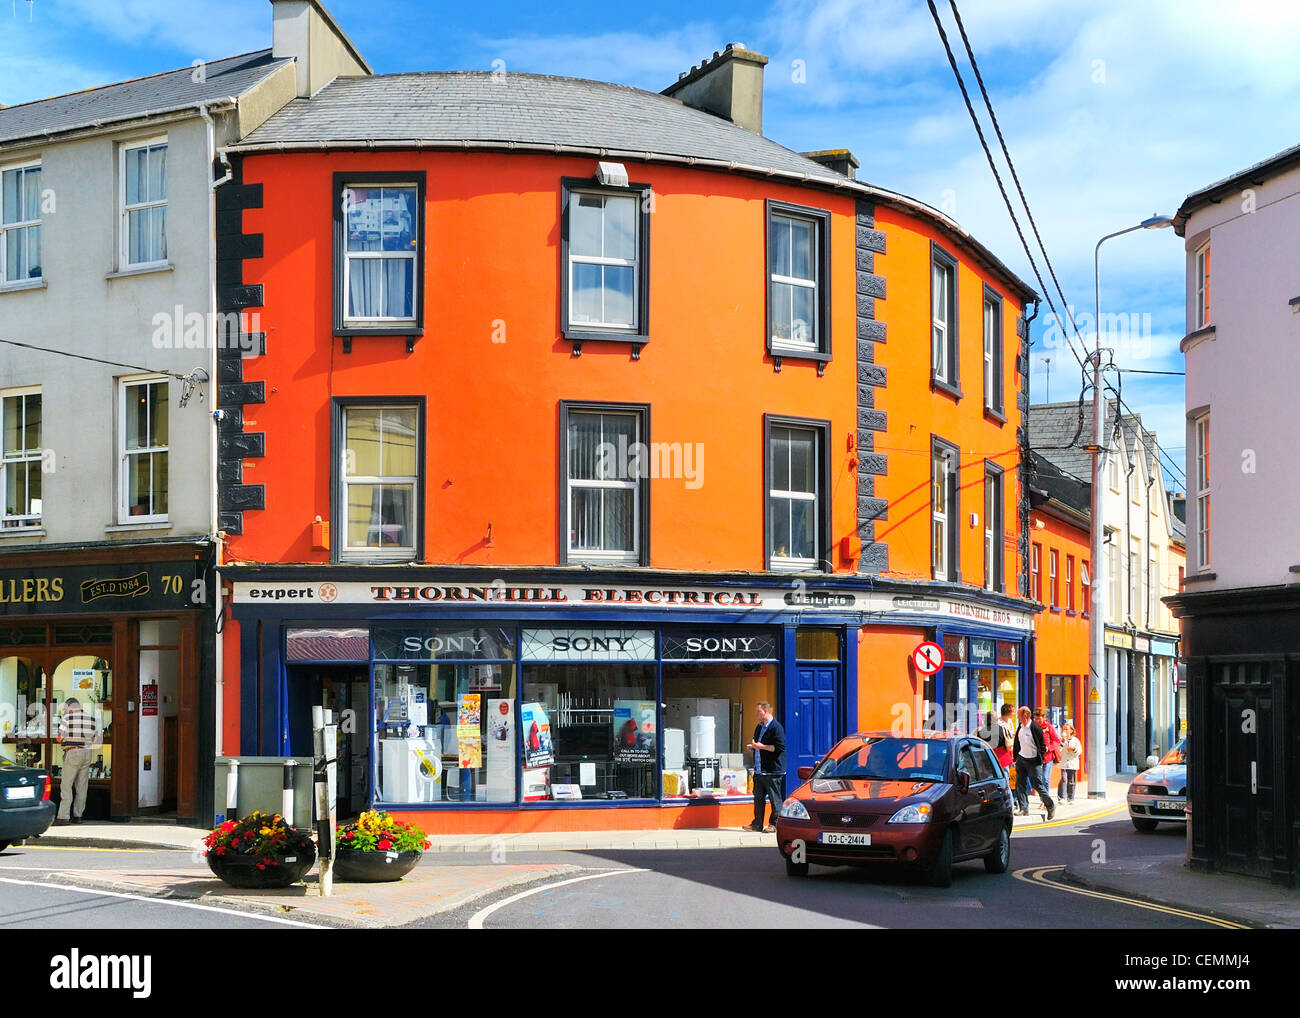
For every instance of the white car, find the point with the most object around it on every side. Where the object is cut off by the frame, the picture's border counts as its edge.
(1159, 793)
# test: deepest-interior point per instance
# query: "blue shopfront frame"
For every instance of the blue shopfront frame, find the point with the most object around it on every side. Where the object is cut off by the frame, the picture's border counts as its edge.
(1024, 668)
(264, 667)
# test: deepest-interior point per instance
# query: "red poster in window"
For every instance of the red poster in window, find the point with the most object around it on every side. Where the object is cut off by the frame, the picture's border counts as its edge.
(149, 700)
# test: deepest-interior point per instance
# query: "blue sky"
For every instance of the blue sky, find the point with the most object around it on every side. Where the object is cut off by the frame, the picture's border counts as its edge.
(1113, 109)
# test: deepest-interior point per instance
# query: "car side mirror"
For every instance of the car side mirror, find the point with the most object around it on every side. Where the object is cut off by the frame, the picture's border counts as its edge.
(963, 781)
(804, 773)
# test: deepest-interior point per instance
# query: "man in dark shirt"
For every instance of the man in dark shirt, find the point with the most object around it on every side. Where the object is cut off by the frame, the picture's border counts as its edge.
(769, 766)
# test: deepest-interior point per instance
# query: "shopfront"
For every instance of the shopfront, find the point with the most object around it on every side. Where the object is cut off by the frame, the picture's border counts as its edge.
(122, 638)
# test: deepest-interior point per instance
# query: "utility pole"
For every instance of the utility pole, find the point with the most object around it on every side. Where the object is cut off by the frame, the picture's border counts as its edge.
(1095, 754)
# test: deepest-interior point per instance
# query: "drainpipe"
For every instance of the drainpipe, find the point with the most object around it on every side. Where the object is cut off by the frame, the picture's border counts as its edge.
(214, 533)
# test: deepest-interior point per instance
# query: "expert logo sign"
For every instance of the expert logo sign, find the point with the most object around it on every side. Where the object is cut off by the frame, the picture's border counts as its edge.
(75, 971)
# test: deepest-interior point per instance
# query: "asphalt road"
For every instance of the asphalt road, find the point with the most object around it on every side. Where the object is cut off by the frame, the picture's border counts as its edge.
(730, 888)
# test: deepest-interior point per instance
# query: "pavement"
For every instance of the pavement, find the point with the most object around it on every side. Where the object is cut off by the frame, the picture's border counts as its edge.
(432, 889)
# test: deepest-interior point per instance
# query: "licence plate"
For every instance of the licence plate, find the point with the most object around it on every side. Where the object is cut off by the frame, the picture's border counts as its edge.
(21, 793)
(832, 838)
(1174, 806)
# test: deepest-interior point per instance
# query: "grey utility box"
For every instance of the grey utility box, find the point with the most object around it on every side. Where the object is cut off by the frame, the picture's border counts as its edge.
(261, 786)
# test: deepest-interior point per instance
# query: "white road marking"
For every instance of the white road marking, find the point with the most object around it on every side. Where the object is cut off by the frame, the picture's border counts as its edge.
(163, 901)
(477, 919)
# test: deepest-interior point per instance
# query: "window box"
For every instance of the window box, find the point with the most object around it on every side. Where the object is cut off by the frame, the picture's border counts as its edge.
(798, 282)
(605, 471)
(797, 508)
(378, 479)
(604, 262)
(379, 242)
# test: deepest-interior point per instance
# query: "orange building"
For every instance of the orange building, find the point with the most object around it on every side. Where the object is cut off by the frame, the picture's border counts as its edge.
(574, 435)
(1060, 579)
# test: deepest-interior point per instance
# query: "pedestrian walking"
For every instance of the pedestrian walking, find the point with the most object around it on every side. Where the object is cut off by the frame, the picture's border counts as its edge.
(1030, 749)
(78, 733)
(1004, 748)
(1052, 741)
(769, 766)
(1071, 753)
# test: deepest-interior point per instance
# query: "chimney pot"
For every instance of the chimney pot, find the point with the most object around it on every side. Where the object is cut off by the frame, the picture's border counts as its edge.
(729, 85)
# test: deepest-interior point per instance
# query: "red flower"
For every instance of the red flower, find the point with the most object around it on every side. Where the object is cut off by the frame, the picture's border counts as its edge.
(261, 865)
(384, 845)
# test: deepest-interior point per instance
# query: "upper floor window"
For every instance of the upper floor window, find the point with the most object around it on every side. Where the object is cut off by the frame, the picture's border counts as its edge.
(1202, 430)
(1085, 585)
(143, 450)
(992, 351)
(1203, 287)
(606, 241)
(20, 223)
(993, 553)
(1134, 586)
(20, 482)
(798, 273)
(1069, 582)
(1036, 572)
(378, 254)
(379, 473)
(798, 509)
(944, 511)
(1053, 561)
(1112, 468)
(1115, 585)
(943, 319)
(606, 498)
(144, 204)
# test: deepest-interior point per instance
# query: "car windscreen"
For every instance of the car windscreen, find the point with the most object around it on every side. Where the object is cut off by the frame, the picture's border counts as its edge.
(1177, 755)
(887, 759)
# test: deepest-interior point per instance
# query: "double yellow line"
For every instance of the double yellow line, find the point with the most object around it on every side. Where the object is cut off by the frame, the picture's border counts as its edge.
(1038, 875)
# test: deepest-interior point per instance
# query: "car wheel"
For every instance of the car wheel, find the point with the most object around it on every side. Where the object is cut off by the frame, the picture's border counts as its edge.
(1143, 825)
(795, 869)
(940, 872)
(999, 859)
(4, 845)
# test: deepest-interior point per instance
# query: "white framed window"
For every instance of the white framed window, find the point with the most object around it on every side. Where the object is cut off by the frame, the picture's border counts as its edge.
(606, 484)
(793, 245)
(20, 481)
(143, 447)
(943, 511)
(1112, 469)
(1203, 287)
(993, 553)
(380, 256)
(379, 480)
(1069, 583)
(1054, 584)
(1114, 576)
(992, 352)
(20, 223)
(794, 498)
(143, 197)
(1134, 585)
(1036, 572)
(1202, 430)
(603, 265)
(943, 318)
(1085, 586)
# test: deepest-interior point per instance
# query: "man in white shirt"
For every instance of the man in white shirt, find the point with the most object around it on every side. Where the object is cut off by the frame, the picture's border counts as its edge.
(1030, 748)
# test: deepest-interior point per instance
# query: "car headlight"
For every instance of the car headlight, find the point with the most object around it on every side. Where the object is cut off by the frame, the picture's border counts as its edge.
(918, 813)
(793, 809)
(1138, 789)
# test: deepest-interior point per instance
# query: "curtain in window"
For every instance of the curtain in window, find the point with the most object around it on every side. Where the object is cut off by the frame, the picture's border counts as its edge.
(602, 517)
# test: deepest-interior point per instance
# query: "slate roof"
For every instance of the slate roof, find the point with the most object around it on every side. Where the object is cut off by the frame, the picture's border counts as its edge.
(1055, 434)
(1285, 160)
(1071, 492)
(542, 113)
(128, 100)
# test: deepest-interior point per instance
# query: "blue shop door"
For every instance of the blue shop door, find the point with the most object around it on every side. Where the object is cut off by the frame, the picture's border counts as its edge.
(817, 728)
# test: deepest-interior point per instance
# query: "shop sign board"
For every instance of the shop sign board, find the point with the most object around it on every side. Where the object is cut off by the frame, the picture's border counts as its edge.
(588, 644)
(638, 597)
(1163, 648)
(443, 642)
(107, 587)
(703, 645)
(1123, 641)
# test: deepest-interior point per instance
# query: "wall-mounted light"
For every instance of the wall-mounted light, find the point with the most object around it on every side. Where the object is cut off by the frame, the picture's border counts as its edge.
(611, 174)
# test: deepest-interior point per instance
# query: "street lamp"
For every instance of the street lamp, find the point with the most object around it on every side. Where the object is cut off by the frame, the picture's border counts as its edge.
(1097, 617)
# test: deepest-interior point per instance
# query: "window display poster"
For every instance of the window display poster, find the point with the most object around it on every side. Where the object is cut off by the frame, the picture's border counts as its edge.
(469, 734)
(501, 750)
(85, 684)
(468, 710)
(634, 731)
(535, 784)
(535, 727)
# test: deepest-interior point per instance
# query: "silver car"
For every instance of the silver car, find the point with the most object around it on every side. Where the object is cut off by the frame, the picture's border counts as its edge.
(1160, 792)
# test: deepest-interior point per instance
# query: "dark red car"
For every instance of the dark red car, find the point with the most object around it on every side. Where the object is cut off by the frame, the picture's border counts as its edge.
(924, 799)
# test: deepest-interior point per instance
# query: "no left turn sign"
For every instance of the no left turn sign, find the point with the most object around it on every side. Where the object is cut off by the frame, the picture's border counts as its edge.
(928, 658)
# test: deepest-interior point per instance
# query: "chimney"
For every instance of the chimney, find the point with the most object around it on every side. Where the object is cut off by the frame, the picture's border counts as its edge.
(729, 85)
(304, 31)
(841, 160)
